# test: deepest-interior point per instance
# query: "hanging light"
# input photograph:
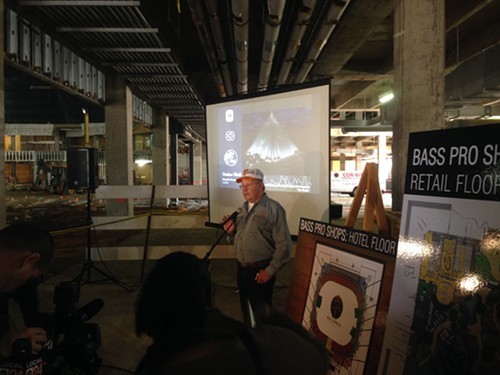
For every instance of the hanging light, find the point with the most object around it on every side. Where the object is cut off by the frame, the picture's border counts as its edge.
(384, 98)
(142, 162)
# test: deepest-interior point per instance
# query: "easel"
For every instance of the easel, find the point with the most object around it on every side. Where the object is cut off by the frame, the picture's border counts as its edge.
(374, 205)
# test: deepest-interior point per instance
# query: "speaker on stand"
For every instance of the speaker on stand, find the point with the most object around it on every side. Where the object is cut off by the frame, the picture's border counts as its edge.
(83, 168)
(83, 173)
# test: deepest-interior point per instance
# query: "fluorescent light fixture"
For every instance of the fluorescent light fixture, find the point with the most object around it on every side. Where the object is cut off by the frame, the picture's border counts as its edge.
(386, 97)
(142, 162)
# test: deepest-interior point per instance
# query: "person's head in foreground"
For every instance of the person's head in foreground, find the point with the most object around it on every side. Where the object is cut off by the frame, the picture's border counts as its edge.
(174, 297)
(25, 253)
(189, 337)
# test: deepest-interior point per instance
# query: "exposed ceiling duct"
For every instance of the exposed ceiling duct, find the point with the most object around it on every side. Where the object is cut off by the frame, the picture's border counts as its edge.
(273, 23)
(335, 11)
(215, 23)
(201, 26)
(179, 55)
(475, 79)
(299, 28)
(239, 12)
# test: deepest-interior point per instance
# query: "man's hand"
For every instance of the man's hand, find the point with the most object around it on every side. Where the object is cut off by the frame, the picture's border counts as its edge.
(228, 224)
(262, 277)
(36, 335)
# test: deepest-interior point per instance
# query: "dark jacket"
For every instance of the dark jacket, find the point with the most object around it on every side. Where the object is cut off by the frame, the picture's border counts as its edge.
(227, 346)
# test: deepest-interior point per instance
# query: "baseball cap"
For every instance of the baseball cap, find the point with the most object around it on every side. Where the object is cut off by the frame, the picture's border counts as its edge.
(251, 173)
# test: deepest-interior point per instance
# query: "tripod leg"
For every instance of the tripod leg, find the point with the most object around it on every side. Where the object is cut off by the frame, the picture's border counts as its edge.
(89, 263)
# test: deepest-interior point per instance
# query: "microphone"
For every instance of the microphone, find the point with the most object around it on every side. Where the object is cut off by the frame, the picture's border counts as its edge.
(87, 311)
(233, 215)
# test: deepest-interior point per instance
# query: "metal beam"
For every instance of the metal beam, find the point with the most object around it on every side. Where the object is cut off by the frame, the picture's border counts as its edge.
(475, 8)
(170, 87)
(362, 77)
(106, 30)
(126, 49)
(174, 102)
(73, 3)
(154, 76)
(126, 63)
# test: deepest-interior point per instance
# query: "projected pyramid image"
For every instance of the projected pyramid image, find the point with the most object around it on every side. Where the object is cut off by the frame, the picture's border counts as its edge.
(272, 143)
(286, 135)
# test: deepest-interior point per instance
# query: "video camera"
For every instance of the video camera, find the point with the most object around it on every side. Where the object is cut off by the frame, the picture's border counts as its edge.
(72, 341)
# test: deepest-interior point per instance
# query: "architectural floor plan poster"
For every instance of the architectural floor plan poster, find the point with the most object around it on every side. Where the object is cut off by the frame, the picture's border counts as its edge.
(444, 315)
(341, 305)
(340, 291)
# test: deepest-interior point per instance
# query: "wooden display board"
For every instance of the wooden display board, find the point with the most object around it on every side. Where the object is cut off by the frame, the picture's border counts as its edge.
(340, 290)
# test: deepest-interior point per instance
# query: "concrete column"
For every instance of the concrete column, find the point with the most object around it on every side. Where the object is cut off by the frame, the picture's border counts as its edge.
(419, 48)
(198, 163)
(3, 210)
(359, 156)
(57, 138)
(191, 163)
(174, 168)
(342, 161)
(119, 150)
(382, 162)
(161, 148)
(204, 164)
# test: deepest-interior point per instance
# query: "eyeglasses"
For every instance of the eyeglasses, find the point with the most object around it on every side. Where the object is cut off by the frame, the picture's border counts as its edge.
(244, 186)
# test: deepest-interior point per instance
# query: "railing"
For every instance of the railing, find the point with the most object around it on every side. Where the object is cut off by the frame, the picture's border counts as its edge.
(179, 224)
(34, 156)
(51, 157)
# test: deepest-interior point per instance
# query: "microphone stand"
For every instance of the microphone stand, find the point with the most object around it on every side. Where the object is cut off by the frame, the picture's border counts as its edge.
(224, 233)
(206, 258)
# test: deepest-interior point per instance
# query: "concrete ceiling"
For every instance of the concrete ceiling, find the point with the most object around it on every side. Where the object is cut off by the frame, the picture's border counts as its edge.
(179, 55)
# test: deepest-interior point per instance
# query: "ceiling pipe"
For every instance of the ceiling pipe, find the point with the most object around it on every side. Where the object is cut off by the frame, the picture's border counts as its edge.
(299, 28)
(198, 16)
(271, 33)
(335, 11)
(215, 23)
(239, 12)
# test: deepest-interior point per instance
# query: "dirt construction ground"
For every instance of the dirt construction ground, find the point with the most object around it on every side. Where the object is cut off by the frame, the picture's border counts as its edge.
(66, 217)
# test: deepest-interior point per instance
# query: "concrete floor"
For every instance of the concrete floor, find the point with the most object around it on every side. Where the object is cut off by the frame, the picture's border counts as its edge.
(121, 349)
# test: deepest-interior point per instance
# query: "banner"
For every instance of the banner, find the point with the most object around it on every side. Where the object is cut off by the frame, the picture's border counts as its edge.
(460, 163)
(29, 129)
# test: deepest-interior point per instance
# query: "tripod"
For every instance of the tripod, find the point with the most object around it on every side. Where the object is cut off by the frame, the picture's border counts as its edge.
(89, 265)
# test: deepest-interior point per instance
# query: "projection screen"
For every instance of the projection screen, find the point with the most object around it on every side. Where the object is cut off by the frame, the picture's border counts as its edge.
(283, 133)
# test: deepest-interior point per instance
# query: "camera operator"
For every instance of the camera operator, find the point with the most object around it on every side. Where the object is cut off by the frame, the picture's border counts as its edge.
(25, 252)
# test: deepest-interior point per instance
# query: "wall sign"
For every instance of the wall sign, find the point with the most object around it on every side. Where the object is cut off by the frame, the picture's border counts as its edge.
(29, 129)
